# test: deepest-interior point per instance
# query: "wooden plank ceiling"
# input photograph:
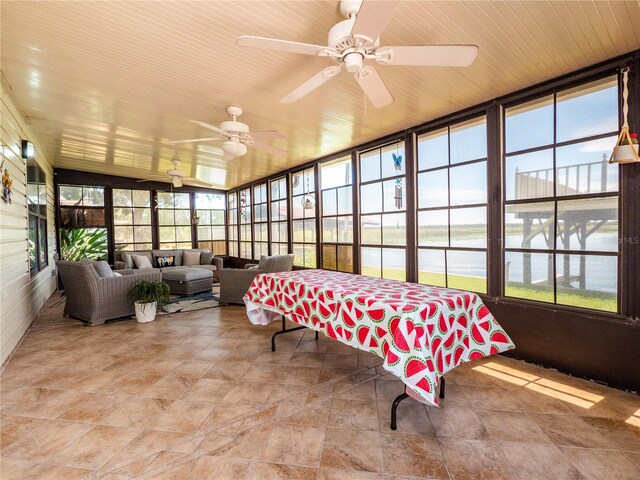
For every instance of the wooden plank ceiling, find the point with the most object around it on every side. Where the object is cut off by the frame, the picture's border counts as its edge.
(105, 85)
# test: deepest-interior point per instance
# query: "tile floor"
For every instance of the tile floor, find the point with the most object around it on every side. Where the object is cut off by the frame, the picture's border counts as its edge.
(200, 395)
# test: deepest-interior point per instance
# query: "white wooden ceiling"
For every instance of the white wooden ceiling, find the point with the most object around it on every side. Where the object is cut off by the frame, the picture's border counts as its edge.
(106, 84)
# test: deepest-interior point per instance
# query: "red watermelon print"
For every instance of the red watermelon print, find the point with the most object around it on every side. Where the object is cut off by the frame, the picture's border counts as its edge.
(414, 366)
(424, 385)
(499, 337)
(478, 335)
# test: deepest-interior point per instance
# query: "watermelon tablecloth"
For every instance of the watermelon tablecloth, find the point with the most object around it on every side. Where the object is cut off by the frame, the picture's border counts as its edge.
(421, 332)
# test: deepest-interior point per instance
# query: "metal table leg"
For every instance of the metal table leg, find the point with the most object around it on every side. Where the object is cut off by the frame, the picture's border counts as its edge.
(284, 330)
(404, 395)
(394, 407)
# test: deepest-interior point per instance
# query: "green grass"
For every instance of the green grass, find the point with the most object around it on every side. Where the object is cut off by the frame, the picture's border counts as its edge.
(591, 299)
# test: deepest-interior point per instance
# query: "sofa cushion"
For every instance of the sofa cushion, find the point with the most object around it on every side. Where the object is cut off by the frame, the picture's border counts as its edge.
(206, 258)
(186, 274)
(191, 257)
(141, 261)
(262, 264)
(211, 268)
(127, 257)
(162, 261)
(103, 269)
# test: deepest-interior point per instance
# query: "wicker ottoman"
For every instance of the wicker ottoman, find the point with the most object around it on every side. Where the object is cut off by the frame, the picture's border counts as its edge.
(187, 281)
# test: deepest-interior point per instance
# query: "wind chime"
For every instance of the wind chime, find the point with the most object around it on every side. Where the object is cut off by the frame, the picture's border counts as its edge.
(397, 163)
(307, 200)
(243, 203)
(626, 149)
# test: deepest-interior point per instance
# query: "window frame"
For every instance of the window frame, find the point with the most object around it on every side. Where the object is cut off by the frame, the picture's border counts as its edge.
(158, 208)
(279, 221)
(233, 226)
(198, 212)
(449, 207)
(555, 198)
(304, 219)
(337, 244)
(39, 215)
(134, 244)
(258, 245)
(405, 209)
(245, 225)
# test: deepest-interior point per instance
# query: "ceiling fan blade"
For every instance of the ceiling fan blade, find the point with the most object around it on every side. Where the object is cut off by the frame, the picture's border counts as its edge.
(372, 18)
(270, 149)
(176, 182)
(193, 140)
(280, 45)
(266, 135)
(155, 179)
(210, 127)
(196, 183)
(311, 84)
(373, 86)
(432, 55)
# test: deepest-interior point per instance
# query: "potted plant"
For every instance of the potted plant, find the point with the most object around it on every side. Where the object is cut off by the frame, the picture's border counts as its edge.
(147, 297)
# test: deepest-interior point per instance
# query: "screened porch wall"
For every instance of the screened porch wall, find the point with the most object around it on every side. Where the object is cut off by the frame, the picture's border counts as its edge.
(564, 329)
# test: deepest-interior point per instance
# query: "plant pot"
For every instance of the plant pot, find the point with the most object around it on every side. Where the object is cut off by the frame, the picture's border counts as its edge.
(145, 312)
(625, 153)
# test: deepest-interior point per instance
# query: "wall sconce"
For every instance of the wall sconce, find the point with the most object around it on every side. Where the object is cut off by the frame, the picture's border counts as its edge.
(28, 150)
(195, 219)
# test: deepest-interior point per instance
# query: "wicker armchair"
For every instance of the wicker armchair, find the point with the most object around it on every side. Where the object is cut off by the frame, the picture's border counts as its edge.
(95, 299)
(234, 283)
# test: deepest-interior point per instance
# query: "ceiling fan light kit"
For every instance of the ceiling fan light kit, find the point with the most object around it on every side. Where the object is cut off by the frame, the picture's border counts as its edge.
(354, 41)
(237, 136)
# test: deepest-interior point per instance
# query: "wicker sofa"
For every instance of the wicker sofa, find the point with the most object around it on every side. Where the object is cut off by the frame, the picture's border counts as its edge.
(95, 299)
(234, 283)
(208, 261)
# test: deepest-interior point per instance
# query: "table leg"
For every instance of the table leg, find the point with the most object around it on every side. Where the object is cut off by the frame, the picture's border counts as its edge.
(404, 395)
(394, 407)
(284, 330)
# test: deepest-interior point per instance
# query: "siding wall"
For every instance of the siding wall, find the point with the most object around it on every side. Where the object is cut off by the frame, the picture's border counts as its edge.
(21, 296)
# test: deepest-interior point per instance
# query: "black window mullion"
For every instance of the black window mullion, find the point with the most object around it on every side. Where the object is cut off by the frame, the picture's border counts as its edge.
(495, 258)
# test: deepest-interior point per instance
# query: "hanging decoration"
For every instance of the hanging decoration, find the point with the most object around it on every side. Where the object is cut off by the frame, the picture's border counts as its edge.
(626, 149)
(397, 163)
(243, 203)
(6, 180)
(308, 201)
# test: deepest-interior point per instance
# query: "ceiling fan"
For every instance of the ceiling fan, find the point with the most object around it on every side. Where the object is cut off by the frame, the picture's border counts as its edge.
(354, 41)
(177, 177)
(237, 137)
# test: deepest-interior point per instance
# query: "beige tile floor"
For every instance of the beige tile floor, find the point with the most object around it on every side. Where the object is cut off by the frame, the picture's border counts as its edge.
(200, 396)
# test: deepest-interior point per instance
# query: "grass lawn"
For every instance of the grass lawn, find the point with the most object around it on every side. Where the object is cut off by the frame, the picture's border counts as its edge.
(595, 300)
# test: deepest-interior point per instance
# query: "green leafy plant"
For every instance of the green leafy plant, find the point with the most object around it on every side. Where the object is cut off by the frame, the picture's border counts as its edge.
(148, 292)
(79, 243)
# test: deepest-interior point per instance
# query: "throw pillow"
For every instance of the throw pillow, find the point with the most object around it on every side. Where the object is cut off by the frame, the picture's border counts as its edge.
(103, 269)
(262, 264)
(117, 274)
(162, 261)
(141, 261)
(206, 258)
(190, 258)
